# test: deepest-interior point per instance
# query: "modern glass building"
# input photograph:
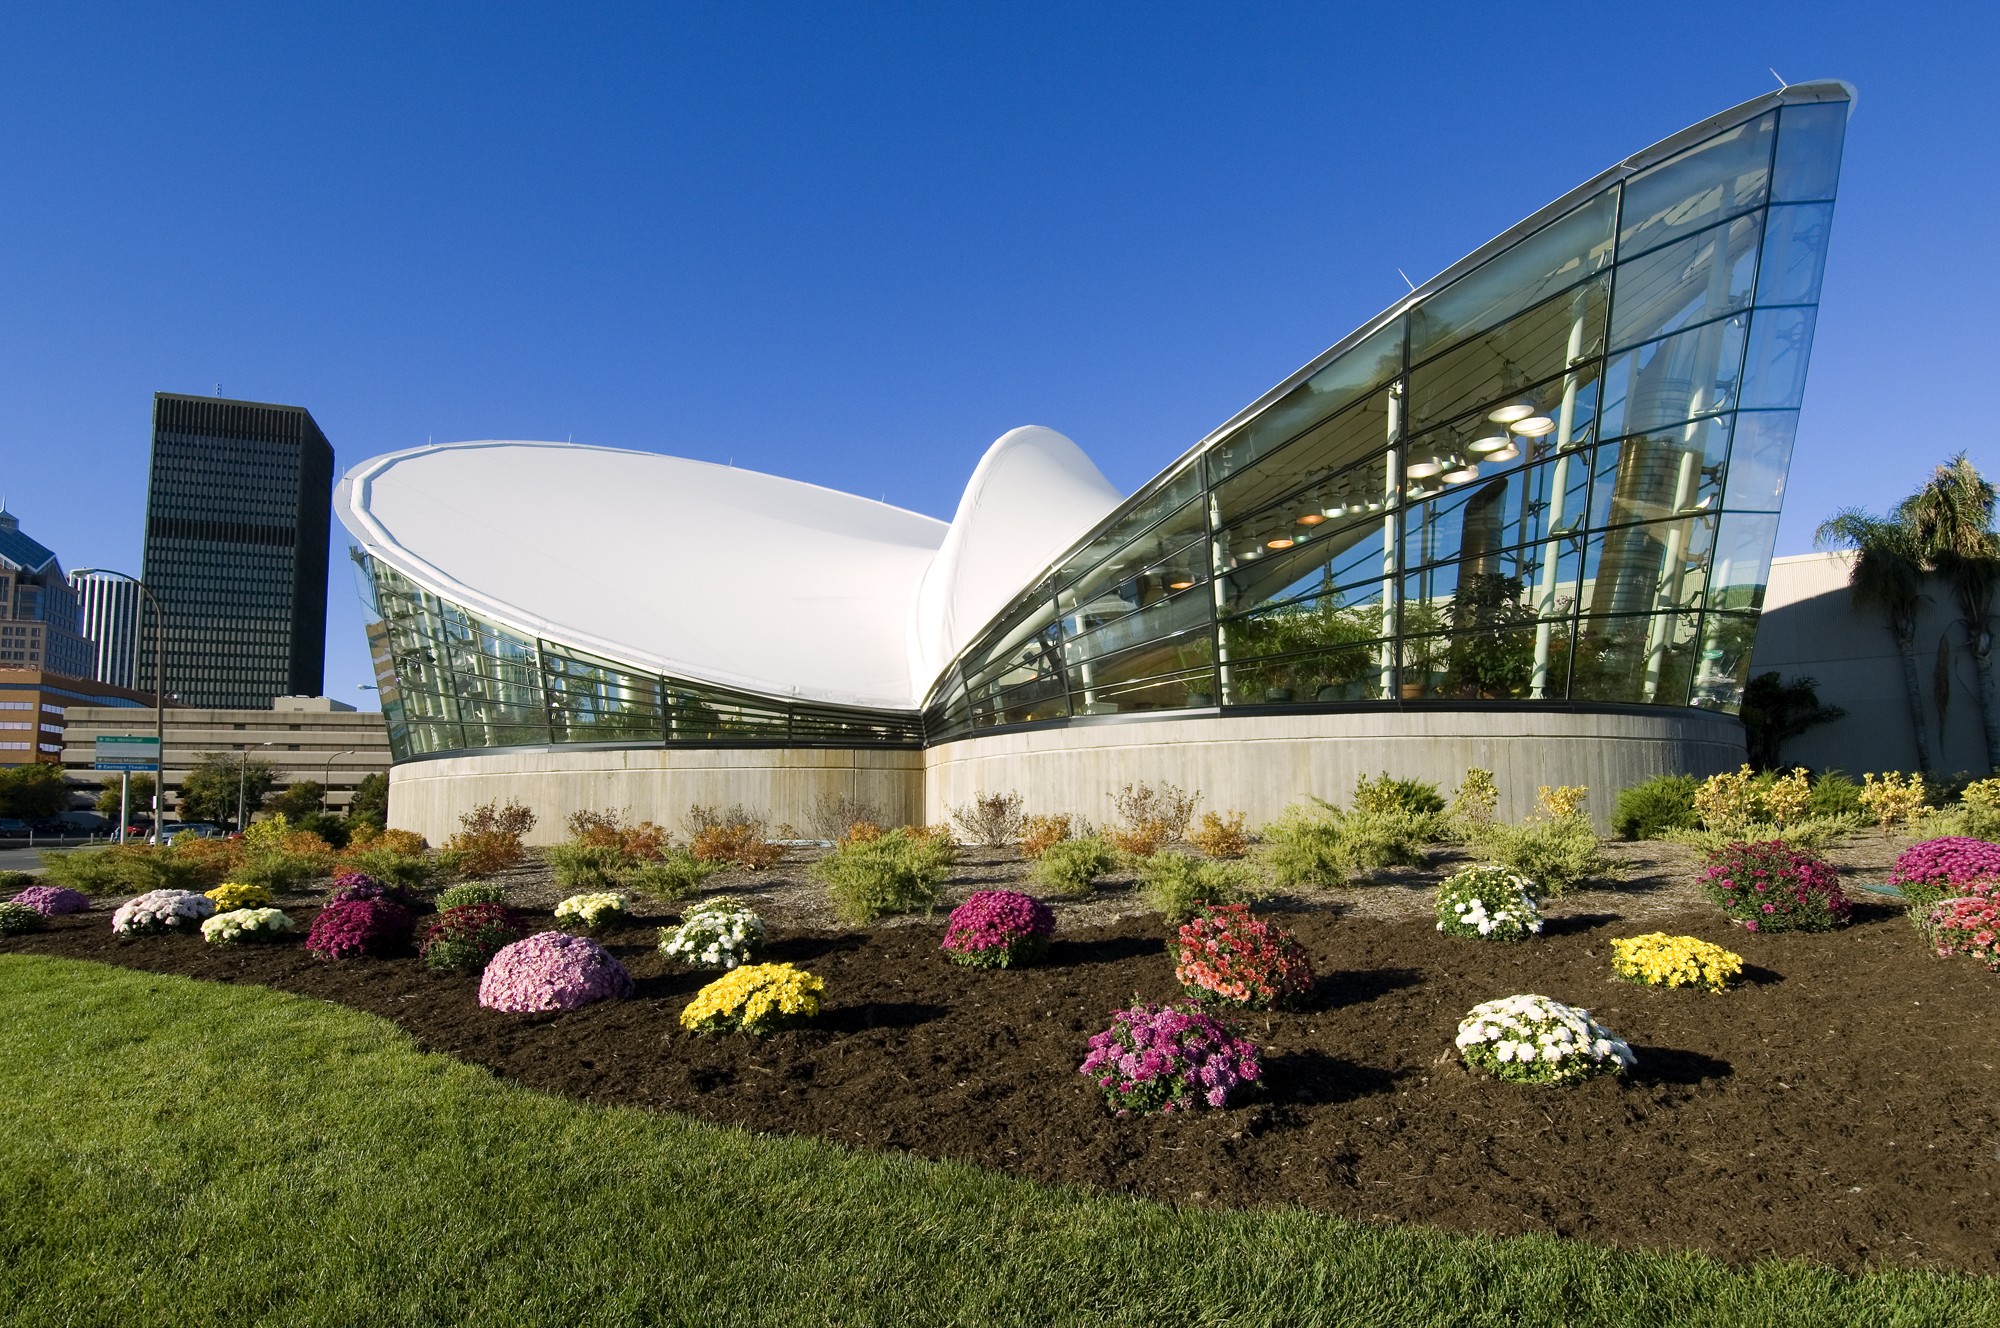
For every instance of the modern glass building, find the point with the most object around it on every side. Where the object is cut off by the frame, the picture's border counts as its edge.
(237, 521)
(108, 611)
(1546, 482)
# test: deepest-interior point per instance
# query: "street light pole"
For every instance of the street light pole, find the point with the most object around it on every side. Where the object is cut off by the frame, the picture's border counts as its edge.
(328, 776)
(159, 686)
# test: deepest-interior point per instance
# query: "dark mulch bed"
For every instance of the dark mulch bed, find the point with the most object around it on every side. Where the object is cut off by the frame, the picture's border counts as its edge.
(1841, 1106)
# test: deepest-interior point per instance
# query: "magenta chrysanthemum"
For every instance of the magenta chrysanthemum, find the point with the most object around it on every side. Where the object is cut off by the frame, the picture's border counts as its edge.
(52, 901)
(552, 971)
(357, 927)
(1771, 886)
(1168, 1058)
(998, 929)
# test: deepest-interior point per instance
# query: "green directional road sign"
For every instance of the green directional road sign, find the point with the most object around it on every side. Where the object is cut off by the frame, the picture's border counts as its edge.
(127, 754)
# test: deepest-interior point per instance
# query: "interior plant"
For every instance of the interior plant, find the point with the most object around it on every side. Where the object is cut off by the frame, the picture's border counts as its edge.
(159, 911)
(1169, 1058)
(1774, 886)
(1488, 904)
(998, 929)
(465, 937)
(758, 999)
(1535, 1040)
(549, 971)
(722, 932)
(898, 873)
(1660, 960)
(1072, 866)
(1224, 954)
(241, 925)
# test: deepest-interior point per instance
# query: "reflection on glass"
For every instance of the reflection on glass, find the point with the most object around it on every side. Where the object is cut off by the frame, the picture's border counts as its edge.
(1543, 341)
(1794, 254)
(1775, 369)
(1673, 379)
(1557, 256)
(1759, 459)
(1647, 660)
(1743, 560)
(1730, 173)
(1690, 281)
(1809, 152)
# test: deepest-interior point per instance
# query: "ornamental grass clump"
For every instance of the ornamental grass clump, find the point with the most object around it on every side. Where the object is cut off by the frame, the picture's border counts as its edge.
(356, 927)
(1970, 927)
(758, 999)
(592, 912)
(243, 925)
(998, 929)
(53, 901)
(1488, 904)
(722, 933)
(1168, 1058)
(1534, 1040)
(1939, 869)
(1223, 954)
(1659, 960)
(232, 895)
(1772, 886)
(159, 911)
(465, 937)
(552, 970)
(19, 919)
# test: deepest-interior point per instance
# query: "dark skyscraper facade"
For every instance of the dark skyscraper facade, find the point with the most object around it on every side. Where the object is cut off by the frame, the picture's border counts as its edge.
(236, 535)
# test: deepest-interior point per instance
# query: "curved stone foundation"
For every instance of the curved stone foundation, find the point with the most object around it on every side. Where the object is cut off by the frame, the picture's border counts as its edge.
(1253, 764)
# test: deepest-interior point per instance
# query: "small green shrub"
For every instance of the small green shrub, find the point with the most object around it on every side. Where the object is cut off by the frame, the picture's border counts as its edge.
(276, 870)
(587, 868)
(333, 829)
(1307, 847)
(16, 880)
(1557, 853)
(1811, 833)
(473, 892)
(1071, 866)
(92, 871)
(390, 866)
(897, 873)
(1390, 837)
(1649, 809)
(144, 870)
(676, 875)
(1835, 795)
(1177, 885)
(1383, 794)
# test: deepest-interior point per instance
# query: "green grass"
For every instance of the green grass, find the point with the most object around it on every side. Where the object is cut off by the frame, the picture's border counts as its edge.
(180, 1152)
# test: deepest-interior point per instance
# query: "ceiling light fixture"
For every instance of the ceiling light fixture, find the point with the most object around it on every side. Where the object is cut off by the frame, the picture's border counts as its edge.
(1423, 470)
(1468, 470)
(1311, 519)
(1516, 410)
(1280, 542)
(1481, 446)
(1534, 426)
(1507, 453)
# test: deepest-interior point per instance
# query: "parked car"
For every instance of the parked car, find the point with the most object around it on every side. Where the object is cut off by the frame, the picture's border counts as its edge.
(12, 829)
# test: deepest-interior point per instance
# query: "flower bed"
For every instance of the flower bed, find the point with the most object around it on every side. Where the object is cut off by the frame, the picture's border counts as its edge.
(159, 911)
(1659, 960)
(53, 901)
(19, 919)
(1488, 904)
(1967, 926)
(1953, 867)
(239, 925)
(465, 938)
(1223, 954)
(720, 933)
(758, 999)
(355, 927)
(1534, 1040)
(1166, 1058)
(591, 911)
(552, 970)
(230, 896)
(1771, 886)
(998, 929)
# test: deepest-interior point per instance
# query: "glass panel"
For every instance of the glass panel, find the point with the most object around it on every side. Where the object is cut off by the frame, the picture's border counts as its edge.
(1341, 383)
(1743, 560)
(1166, 618)
(1545, 340)
(1157, 676)
(1164, 560)
(1143, 513)
(1337, 450)
(1644, 569)
(1658, 475)
(1794, 254)
(1690, 281)
(1724, 664)
(1809, 151)
(1774, 370)
(1341, 558)
(1730, 173)
(1349, 672)
(1650, 659)
(1492, 664)
(1759, 460)
(1558, 255)
(1673, 379)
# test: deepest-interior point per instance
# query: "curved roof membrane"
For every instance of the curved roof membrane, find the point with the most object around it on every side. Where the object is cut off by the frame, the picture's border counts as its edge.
(1552, 473)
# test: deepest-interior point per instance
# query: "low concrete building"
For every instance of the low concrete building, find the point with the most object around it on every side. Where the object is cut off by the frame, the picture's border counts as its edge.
(300, 737)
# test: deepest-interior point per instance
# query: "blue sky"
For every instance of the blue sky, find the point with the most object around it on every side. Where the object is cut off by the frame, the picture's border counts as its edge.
(854, 244)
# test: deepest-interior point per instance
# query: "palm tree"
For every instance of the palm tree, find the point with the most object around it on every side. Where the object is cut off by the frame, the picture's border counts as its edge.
(1888, 574)
(1952, 516)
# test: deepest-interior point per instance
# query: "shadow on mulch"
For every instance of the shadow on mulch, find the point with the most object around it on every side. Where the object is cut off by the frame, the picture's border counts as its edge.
(879, 1014)
(1345, 987)
(1672, 1065)
(1110, 950)
(1575, 924)
(1317, 1077)
(1756, 975)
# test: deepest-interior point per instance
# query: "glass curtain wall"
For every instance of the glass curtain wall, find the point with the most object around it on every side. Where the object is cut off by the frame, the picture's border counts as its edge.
(451, 682)
(1555, 479)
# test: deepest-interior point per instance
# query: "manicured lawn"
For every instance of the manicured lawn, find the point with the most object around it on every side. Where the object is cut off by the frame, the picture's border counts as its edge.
(181, 1152)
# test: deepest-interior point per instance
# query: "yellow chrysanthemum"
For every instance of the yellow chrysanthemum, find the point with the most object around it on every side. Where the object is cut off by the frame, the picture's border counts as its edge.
(1659, 960)
(756, 998)
(229, 896)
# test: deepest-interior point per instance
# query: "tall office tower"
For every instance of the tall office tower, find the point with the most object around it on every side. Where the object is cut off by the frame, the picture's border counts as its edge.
(109, 615)
(236, 527)
(37, 611)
